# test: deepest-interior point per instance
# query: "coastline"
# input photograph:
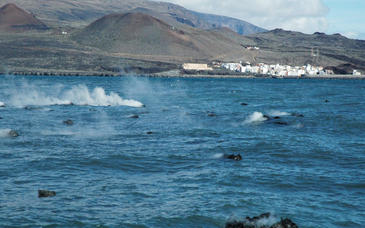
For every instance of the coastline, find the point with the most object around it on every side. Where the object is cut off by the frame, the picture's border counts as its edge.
(173, 74)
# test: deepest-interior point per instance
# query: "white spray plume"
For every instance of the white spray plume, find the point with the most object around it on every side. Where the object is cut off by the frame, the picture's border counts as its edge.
(255, 117)
(77, 95)
(4, 133)
(2, 104)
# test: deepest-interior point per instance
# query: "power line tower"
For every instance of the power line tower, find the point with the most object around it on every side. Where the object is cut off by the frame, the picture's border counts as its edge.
(315, 56)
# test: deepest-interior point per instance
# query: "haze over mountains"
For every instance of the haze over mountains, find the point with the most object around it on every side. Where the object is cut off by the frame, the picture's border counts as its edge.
(162, 34)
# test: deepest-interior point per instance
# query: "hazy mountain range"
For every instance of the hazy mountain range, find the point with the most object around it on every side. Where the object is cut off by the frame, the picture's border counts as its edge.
(148, 36)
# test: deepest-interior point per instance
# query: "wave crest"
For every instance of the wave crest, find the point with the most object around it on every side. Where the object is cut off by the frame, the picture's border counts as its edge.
(77, 95)
(278, 113)
(255, 117)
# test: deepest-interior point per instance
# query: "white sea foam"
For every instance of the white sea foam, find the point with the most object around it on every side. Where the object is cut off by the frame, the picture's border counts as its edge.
(77, 95)
(255, 117)
(2, 104)
(4, 133)
(278, 113)
(266, 222)
(219, 155)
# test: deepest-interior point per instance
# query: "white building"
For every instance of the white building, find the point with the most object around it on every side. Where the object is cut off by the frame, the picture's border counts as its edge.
(356, 73)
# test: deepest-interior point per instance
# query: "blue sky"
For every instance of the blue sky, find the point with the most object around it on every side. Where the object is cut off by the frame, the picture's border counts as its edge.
(346, 17)
(330, 16)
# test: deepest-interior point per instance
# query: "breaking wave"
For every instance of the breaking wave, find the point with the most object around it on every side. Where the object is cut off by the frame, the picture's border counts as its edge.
(77, 95)
(255, 117)
(2, 104)
(278, 113)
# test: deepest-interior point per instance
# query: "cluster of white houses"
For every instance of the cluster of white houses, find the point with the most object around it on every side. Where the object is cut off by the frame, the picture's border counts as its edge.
(265, 69)
(277, 70)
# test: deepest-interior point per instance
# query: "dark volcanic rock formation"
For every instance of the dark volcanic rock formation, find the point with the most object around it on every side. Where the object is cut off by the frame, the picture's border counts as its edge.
(13, 133)
(46, 193)
(15, 19)
(68, 122)
(237, 157)
(259, 222)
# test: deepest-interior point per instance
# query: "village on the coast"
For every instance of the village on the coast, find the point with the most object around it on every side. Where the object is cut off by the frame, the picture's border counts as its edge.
(276, 70)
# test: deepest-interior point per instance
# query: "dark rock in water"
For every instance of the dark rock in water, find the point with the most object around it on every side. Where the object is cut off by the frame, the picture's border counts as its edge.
(254, 223)
(257, 218)
(285, 223)
(134, 116)
(13, 133)
(244, 104)
(268, 117)
(280, 123)
(68, 122)
(211, 114)
(149, 132)
(326, 101)
(276, 117)
(237, 157)
(1, 118)
(30, 108)
(297, 115)
(46, 193)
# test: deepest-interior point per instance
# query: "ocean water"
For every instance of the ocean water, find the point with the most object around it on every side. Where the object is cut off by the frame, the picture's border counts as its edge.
(167, 167)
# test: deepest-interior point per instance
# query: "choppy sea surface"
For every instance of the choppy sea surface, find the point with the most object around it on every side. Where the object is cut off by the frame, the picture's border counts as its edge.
(167, 167)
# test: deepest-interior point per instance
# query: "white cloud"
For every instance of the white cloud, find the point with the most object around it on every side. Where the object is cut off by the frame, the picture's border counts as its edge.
(300, 15)
(351, 35)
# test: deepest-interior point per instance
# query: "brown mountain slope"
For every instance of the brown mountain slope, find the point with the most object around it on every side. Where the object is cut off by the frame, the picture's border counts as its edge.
(143, 35)
(82, 12)
(15, 19)
(295, 48)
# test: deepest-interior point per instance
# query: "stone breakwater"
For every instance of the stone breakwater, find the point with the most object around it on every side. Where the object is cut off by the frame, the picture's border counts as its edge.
(169, 75)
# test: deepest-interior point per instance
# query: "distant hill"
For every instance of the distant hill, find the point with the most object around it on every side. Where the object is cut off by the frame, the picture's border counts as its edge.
(15, 19)
(83, 12)
(141, 34)
(295, 48)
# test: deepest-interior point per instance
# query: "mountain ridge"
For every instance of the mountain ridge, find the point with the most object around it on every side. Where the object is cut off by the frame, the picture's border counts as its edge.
(83, 12)
(141, 34)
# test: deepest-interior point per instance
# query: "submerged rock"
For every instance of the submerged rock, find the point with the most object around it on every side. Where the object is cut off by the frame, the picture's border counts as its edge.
(259, 222)
(212, 114)
(149, 132)
(244, 104)
(13, 133)
(280, 123)
(46, 193)
(237, 157)
(267, 117)
(31, 108)
(284, 223)
(297, 115)
(68, 122)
